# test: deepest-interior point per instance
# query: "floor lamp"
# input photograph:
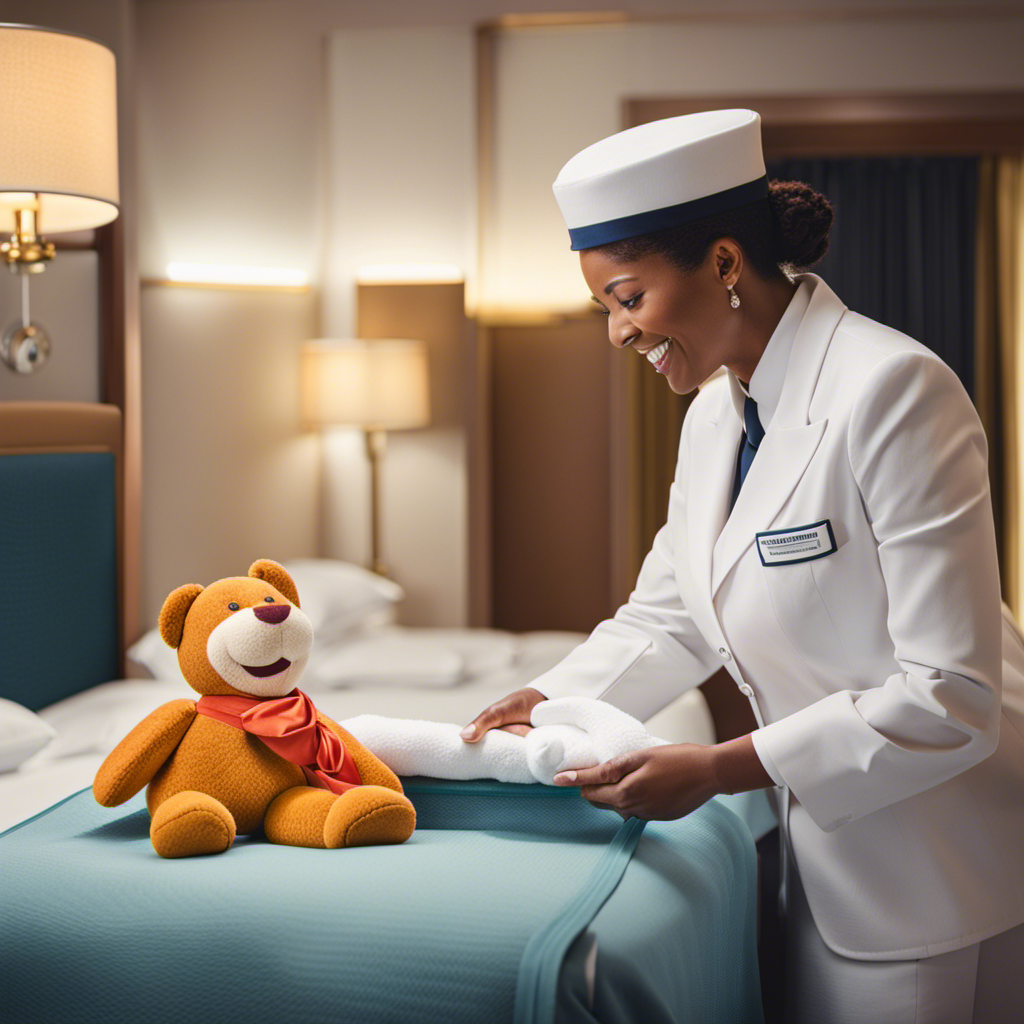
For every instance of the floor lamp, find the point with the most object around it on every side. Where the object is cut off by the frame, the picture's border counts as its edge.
(377, 385)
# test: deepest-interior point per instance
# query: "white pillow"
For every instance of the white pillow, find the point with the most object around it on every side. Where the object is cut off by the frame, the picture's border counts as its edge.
(97, 719)
(484, 651)
(22, 734)
(340, 597)
(151, 652)
(388, 658)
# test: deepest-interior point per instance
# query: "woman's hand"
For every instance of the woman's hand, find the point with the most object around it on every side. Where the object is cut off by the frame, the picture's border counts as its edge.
(668, 782)
(656, 784)
(511, 710)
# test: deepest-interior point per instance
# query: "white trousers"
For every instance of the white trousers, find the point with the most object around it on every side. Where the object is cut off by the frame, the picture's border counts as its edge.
(979, 984)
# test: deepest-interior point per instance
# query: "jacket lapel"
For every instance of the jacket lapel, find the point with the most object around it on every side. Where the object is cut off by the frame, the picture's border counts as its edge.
(783, 456)
(788, 445)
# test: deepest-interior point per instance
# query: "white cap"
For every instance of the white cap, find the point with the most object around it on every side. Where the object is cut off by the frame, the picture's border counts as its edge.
(662, 175)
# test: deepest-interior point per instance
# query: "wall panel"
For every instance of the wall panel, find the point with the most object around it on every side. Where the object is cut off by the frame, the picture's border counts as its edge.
(230, 476)
(551, 475)
(427, 507)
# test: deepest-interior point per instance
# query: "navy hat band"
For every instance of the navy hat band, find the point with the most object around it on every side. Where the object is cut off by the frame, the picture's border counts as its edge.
(590, 235)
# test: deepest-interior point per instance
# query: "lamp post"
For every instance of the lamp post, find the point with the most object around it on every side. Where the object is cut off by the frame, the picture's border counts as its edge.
(377, 385)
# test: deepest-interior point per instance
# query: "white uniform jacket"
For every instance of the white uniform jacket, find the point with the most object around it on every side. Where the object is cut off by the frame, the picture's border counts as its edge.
(875, 670)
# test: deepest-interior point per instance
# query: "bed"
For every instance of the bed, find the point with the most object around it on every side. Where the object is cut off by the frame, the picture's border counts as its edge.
(623, 922)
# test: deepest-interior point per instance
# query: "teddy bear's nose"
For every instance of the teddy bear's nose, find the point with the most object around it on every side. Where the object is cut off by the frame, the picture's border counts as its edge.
(272, 613)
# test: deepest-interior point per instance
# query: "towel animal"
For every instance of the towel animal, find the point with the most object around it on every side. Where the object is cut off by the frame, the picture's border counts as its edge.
(568, 733)
(253, 751)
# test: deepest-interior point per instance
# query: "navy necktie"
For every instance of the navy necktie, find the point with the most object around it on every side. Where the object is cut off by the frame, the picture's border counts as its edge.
(751, 441)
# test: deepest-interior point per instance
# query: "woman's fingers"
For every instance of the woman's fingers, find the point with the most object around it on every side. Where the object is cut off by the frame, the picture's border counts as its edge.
(510, 710)
(606, 807)
(608, 773)
(603, 785)
(658, 783)
(517, 729)
(489, 718)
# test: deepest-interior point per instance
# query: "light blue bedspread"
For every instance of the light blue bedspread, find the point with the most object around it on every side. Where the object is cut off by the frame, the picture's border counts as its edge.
(474, 920)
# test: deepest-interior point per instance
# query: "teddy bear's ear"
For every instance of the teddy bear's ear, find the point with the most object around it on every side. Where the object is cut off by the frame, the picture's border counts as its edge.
(277, 576)
(172, 615)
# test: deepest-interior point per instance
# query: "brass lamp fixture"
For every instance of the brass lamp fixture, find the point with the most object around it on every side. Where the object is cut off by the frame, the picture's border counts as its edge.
(378, 385)
(58, 158)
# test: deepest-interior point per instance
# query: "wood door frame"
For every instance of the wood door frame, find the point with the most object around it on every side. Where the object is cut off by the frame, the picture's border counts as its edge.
(863, 124)
(120, 385)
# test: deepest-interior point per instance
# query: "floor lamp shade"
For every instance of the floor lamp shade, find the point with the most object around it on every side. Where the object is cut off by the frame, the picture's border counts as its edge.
(58, 123)
(377, 385)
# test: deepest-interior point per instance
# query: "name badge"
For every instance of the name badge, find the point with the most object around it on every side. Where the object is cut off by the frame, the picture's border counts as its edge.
(799, 544)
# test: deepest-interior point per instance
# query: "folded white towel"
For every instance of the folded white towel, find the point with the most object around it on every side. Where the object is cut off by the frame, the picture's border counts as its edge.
(568, 733)
(414, 747)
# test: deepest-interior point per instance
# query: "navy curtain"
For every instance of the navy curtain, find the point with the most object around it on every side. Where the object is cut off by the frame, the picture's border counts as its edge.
(902, 244)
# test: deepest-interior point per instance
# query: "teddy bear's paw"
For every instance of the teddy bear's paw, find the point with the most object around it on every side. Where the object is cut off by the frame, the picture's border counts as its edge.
(296, 817)
(189, 824)
(369, 816)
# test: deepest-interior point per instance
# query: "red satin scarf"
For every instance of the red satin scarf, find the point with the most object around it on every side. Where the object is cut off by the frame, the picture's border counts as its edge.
(289, 726)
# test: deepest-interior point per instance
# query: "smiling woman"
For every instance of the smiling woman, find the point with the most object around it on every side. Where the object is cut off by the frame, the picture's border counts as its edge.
(830, 545)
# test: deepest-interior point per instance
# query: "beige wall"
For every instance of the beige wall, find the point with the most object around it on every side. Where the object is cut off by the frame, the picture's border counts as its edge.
(401, 189)
(323, 136)
(233, 131)
(229, 475)
(64, 300)
(425, 496)
(271, 155)
(401, 156)
(559, 90)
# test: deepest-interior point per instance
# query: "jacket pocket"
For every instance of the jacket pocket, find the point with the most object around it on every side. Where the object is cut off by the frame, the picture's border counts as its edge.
(802, 613)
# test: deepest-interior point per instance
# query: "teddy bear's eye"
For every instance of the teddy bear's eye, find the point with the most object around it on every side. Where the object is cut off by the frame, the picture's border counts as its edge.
(270, 599)
(234, 606)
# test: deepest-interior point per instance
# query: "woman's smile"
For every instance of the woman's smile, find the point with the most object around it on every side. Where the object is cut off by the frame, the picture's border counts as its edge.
(659, 355)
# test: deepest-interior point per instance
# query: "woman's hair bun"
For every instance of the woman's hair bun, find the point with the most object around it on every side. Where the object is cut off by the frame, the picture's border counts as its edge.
(803, 218)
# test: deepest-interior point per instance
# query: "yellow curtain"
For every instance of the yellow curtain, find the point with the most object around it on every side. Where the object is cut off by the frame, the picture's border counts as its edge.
(1000, 357)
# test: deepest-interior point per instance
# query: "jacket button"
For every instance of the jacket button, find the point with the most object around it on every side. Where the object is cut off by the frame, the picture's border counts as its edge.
(724, 653)
(746, 690)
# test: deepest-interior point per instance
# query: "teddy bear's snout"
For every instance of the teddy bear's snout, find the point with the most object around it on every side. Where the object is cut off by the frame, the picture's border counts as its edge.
(272, 613)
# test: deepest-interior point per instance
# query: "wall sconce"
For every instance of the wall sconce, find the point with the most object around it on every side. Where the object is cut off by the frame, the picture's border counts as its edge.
(58, 159)
(378, 385)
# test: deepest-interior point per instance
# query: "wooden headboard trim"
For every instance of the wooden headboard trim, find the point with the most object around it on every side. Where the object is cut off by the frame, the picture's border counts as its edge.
(60, 426)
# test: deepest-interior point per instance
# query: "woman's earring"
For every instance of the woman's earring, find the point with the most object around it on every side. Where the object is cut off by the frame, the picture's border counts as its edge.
(734, 299)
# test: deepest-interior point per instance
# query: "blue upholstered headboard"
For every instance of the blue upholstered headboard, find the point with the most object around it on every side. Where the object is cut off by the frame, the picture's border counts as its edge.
(60, 480)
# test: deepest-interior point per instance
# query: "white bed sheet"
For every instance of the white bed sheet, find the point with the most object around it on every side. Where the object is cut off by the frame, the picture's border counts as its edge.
(493, 663)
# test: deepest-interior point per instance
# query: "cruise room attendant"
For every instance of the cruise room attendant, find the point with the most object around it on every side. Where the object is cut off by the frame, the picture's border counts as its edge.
(830, 543)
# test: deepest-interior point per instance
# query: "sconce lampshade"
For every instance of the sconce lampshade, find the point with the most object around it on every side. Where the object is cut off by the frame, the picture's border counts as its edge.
(58, 123)
(376, 385)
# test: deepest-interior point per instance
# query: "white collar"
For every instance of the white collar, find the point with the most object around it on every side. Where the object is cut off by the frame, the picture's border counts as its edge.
(766, 382)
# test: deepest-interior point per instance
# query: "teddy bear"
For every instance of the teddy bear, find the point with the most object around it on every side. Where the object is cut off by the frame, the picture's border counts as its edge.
(252, 751)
